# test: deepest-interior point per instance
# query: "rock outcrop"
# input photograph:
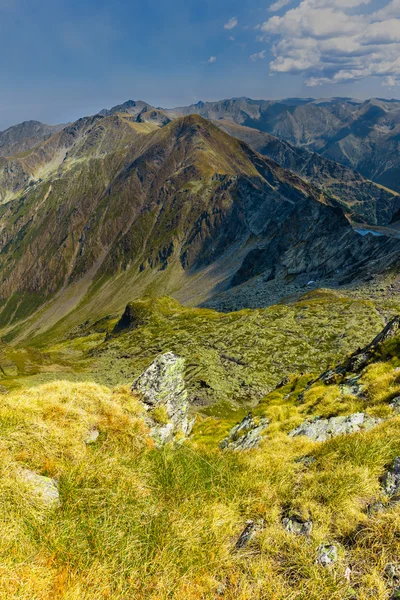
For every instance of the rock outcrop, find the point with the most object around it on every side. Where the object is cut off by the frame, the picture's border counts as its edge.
(321, 430)
(164, 395)
(246, 434)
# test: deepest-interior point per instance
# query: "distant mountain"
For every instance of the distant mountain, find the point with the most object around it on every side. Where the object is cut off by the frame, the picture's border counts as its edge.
(362, 135)
(25, 136)
(116, 209)
(362, 200)
(131, 107)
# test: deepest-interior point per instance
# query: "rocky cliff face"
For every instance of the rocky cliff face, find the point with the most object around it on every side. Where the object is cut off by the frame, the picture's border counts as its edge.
(362, 200)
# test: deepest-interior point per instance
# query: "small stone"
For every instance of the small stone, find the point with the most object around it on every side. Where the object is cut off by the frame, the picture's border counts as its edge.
(392, 571)
(45, 488)
(307, 461)
(248, 533)
(93, 436)
(391, 479)
(376, 507)
(246, 434)
(395, 404)
(327, 555)
(297, 525)
(396, 594)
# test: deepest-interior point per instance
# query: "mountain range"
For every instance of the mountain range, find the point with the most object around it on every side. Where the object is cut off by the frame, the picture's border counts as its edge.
(196, 203)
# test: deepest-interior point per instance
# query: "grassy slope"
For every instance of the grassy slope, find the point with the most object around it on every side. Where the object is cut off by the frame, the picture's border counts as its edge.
(136, 522)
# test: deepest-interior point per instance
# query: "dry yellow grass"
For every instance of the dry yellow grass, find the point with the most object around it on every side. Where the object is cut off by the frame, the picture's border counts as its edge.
(135, 522)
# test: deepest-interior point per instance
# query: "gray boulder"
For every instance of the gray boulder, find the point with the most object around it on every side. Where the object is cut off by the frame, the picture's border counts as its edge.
(246, 434)
(44, 488)
(321, 430)
(164, 395)
(327, 555)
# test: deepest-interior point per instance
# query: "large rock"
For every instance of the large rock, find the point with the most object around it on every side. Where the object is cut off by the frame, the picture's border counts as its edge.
(163, 392)
(246, 434)
(321, 430)
(44, 488)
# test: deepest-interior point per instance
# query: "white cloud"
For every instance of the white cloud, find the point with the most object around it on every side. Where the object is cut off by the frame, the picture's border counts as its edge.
(334, 41)
(278, 5)
(231, 38)
(231, 24)
(211, 60)
(391, 82)
(258, 55)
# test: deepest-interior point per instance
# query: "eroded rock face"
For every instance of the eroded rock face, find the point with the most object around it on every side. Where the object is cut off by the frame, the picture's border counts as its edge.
(164, 395)
(321, 430)
(246, 434)
(44, 488)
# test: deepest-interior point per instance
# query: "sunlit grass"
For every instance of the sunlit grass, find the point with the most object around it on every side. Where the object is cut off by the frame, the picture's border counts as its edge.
(140, 522)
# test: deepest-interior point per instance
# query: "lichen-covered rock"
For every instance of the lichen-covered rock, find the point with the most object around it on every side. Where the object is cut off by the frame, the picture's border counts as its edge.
(163, 392)
(327, 555)
(395, 404)
(44, 488)
(297, 524)
(391, 479)
(246, 434)
(321, 430)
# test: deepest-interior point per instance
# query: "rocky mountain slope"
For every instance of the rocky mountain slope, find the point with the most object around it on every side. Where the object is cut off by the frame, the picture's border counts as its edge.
(361, 135)
(362, 200)
(25, 136)
(183, 209)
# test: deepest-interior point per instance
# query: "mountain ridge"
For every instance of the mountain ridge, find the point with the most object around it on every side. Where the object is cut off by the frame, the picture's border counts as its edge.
(135, 209)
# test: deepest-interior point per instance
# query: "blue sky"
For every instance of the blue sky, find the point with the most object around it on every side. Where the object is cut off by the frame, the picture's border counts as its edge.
(62, 60)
